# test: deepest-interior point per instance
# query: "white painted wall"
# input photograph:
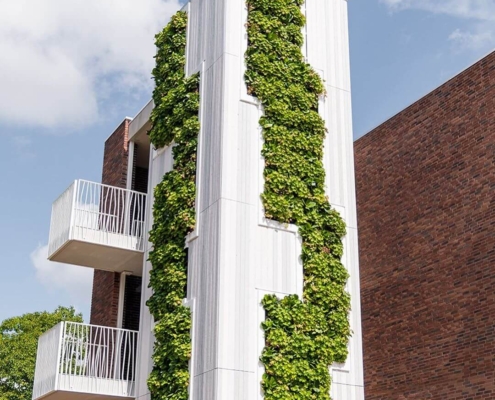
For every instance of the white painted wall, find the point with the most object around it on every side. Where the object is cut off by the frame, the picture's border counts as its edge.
(236, 256)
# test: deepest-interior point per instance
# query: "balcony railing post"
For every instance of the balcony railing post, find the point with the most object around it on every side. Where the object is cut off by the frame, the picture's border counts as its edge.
(73, 209)
(59, 353)
(127, 213)
(116, 360)
(51, 235)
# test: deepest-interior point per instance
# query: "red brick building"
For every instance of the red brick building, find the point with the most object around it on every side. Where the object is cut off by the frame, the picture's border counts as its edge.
(426, 219)
(109, 287)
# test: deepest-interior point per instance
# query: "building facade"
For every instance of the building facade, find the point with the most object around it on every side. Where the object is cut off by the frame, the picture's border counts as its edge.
(425, 182)
(235, 254)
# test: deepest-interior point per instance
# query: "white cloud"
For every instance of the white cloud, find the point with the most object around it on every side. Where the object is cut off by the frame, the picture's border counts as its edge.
(476, 9)
(56, 54)
(76, 282)
(393, 3)
(476, 39)
(480, 15)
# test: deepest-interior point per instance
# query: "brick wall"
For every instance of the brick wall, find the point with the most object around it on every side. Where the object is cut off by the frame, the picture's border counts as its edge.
(105, 298)
(426, 218)
(106, 285)
(115, 157)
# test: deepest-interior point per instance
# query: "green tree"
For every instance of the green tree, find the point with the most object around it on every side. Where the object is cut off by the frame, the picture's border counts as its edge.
(18, 345)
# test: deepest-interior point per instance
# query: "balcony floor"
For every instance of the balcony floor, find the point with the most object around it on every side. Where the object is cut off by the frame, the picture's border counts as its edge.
(85, 388)
(63, 395)
(99, 256)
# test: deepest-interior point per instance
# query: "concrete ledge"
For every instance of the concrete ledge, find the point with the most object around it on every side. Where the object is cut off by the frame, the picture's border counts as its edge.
(141, 120)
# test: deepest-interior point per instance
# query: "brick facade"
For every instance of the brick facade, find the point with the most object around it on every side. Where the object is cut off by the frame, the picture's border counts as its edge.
(106, 285)
(426, 218)
(105, 298)
(115, 157)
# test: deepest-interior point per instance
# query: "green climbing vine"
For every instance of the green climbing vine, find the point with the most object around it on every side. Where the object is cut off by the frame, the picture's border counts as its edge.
(303, 336)
(174, 119)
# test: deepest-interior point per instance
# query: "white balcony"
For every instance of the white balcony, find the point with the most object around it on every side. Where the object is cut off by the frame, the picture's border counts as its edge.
(85, 362)
(98, 226)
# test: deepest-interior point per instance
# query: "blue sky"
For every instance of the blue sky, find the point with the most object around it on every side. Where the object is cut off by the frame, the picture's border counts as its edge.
(71, 71)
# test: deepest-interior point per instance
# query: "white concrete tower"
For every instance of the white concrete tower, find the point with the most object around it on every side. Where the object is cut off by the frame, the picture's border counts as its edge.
(236, 256)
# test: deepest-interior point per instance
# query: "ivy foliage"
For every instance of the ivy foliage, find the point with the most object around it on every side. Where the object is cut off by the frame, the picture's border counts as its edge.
(174, 120)
(303, 336)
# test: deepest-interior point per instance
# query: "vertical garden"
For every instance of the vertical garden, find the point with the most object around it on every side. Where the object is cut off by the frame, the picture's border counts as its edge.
(303, 336)
(174, 121)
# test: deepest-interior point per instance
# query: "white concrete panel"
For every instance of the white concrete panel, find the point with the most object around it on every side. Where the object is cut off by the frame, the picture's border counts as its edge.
(279, 266)
(235, 385)
(163, 162)
(337, 41)
(207, 34)
(316, 49)
(241, 154)
(212, 129)
(340, 391)
(196, 36)
(203, 286)
(354, 362)
(338, 152)
(234, 27)
(237, 314)
(328, 20)
(205, 386)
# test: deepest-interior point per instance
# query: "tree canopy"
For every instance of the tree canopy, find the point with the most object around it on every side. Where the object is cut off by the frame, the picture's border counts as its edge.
(18, 346)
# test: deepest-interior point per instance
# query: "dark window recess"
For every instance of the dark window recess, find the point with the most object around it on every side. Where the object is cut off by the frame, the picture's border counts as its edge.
(139, 174)
(140, 182)
(132, 302)
(130, 320)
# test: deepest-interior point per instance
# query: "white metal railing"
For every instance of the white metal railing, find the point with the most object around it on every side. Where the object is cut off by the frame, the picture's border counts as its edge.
(60, 220)
(45, 377)
(98, 213)
(86, 359)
